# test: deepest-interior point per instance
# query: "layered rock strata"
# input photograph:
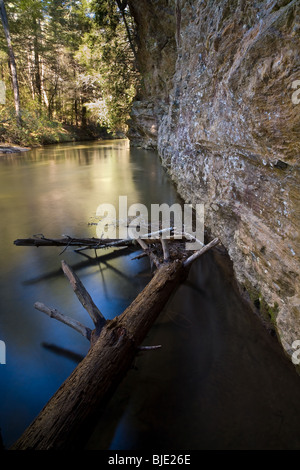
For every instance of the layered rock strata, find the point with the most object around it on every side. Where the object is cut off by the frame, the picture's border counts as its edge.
(220, 100)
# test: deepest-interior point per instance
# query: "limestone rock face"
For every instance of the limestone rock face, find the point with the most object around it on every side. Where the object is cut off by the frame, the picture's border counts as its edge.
(222, 105)
(157, 56)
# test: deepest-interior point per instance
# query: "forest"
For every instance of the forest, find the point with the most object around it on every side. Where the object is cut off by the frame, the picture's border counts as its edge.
(68, 69)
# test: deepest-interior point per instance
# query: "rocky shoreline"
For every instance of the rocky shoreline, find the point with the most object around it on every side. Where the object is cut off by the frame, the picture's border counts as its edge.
(8, 149)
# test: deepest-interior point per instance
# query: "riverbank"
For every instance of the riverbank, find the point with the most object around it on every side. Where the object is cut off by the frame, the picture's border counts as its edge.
(9, 148)
(37, 130)
(67, 134)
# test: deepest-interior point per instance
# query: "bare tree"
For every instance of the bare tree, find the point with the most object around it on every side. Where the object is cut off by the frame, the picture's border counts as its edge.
(122, 4)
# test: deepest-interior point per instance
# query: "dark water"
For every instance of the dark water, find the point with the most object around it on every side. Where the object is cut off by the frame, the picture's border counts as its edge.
(218, 382)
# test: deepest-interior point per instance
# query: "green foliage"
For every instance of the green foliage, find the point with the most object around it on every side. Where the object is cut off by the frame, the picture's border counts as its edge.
(111, 65)
(36, 128)
(106, 14)
(268, 312)
(75, 66)
(107, 54)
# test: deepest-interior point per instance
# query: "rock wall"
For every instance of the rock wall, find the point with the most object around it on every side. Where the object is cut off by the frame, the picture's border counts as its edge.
(157, 54)
(220, 102)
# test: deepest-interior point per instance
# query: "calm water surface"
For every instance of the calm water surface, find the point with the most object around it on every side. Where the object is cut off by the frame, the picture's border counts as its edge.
(218, 382)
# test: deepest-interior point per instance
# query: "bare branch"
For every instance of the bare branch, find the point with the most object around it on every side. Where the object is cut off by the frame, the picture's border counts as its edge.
(122, 4)
(83, 296)
(142, 244)
(54, 313)
(150, 253)
(142, 255)
(164, 244)
(84, 243)
(203, 250)
(149, 348)
(188, 236)
(72, 241)
(158, 232)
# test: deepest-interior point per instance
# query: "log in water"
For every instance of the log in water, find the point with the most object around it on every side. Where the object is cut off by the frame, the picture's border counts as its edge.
(219, 381)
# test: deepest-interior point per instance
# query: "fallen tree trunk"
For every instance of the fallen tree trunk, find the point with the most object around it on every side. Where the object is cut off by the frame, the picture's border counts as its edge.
(70, 413)
(67, 241)
(87, 243)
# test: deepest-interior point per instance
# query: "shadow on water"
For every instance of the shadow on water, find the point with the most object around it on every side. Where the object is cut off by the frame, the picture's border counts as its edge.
(63, 352)
(220, 381)
(89, 261)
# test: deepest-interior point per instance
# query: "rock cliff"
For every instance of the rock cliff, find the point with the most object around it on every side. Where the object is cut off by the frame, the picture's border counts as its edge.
(220, 100)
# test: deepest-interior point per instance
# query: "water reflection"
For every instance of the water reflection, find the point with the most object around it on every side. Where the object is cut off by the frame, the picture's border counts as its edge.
(219, 380)
(56, 190)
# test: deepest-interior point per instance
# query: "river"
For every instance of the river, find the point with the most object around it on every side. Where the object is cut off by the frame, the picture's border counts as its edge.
(220, 380)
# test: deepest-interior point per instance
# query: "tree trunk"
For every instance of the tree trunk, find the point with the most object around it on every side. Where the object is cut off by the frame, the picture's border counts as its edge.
(76, 111)
(68, 416)
(83, 115)
(29, 73)
(12, 62)
(122, 6)
(37, 75)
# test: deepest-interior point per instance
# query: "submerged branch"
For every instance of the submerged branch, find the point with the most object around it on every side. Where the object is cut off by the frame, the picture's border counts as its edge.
(92, 243)
(83, 296)
(68, 416)
(86, 243)
(149, 348)
(57, 315)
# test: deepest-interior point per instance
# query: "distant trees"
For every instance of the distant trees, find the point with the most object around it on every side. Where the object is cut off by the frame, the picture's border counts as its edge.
(46, 35)
(12, 62)
(75, 59)
(108, 57)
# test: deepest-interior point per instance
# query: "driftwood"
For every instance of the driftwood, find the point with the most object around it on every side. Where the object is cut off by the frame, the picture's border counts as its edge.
(88, 243)
(67, 241)
(68, 416)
